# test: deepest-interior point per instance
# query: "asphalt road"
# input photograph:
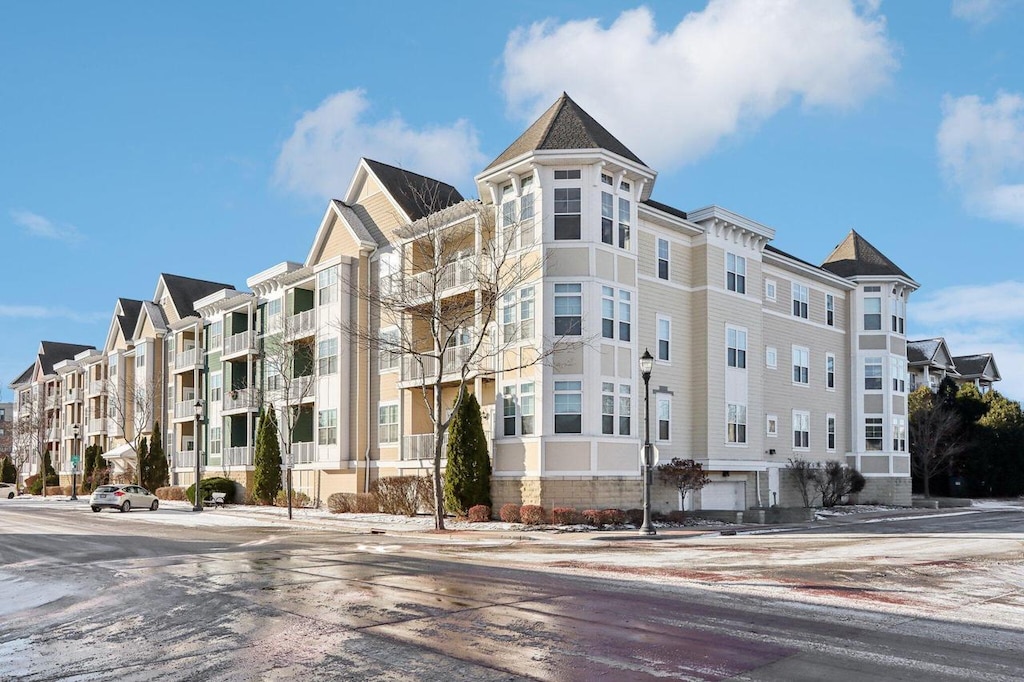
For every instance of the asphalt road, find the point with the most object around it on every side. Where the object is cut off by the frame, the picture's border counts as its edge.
(117, 596)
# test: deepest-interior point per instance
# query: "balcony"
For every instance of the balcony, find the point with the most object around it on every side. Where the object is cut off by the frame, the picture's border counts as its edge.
(417, 369)
(96, 388)
(238, 456)
(303, 453)
(420, 446)
(69, 431)
(73, 395)
(458, 273)
(301, 324)
(239, 399)
(96, 425)
(188, 359)
(185, 409)
(53, 433)
(185, 460)
(113, 429)
(239, 343)
(300, 389)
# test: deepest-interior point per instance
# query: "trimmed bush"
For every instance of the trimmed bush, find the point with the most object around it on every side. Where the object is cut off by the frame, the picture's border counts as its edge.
(340, 503)
(613, 517)
(677, 516)
(398, 494)
(479, 513)
(565, 516)
(531, 514)
(57, 490)
(366, 503)
(509, 513)
(635, 516)
(174, 493)
(593, 517)
(217, 484)
(298, 499)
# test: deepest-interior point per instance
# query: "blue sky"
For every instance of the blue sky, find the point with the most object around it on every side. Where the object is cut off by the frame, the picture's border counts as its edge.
(203, 139)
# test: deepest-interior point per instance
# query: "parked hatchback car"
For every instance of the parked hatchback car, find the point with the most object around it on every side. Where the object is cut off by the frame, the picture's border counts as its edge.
(123, 497)
(8, 490)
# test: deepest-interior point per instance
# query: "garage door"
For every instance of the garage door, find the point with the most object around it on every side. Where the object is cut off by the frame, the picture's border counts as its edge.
(724, 495)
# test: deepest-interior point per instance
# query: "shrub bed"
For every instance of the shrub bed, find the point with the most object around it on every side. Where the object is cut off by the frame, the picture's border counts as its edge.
(509, 513)
(56, 490)
(593, 517)
(479, 513)
(398, 494)
(298, 499)
(531, 514)
(635, 516)
(341, 503)
(676, 516)
(174, 493)
(565, 516)
(366, 503)
(217, 484)
(613, 517)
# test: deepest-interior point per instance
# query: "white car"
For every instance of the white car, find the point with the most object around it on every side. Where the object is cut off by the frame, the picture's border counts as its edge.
(123, 497)
(8, 490)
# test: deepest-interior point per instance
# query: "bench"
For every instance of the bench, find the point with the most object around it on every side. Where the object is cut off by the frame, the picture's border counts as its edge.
(215, 500)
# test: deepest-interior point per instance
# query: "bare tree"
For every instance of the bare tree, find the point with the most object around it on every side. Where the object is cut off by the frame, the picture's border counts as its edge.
(937, 434)
(133, 410)
(806, 475)
(30, 436)
(439, 292)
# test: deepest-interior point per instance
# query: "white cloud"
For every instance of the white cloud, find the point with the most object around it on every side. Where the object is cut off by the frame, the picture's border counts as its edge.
(323, 150)
(978, 319)
(981, 151)
(671, 97)
(978, 12)
(38, 226)
(37, 312)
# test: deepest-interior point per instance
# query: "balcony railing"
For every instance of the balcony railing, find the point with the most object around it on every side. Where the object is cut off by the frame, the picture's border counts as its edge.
(185, 409)
(239, 398)
(420, 446)
(97, 425)
(112, 428)
(415, 368)
(73, 395)
(69, 431)
(238, 456)
(96, 388)
(53, 433)
(455, 274)
(187, 359)
(302, 324)
(301, 388)
(303, 453)
(185, 460)
(238, 343)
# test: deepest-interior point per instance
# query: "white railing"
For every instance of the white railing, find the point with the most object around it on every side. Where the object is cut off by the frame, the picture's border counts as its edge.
(185, 460)
(185, 409)
(53, 433)
(189, 358)
(73, 395)
(69, 431)
(96, 387)
(237, 343)
(303, 453)
(302, 323)
(417, 367)
(455, 274)
(237, 456)
(97, 425)
(300, 388)
(421, 446)
(112, 428)
(239, 398)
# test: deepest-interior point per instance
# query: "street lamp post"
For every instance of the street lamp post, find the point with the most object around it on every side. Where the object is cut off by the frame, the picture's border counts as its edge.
(197, 503)
(75, 432)
(646, 365)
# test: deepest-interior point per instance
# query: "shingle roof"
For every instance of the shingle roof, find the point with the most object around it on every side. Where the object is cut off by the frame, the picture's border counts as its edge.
(185, 291)
(418, 195)
(131, 309)
(565, 126)
(671, 210)
(24, 376)
(52, 352)
(972, 365)
(769, 247)
(922, 351)
(855, 256)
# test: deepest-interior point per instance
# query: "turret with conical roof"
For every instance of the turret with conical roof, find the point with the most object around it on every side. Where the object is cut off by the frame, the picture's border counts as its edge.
(855, 257)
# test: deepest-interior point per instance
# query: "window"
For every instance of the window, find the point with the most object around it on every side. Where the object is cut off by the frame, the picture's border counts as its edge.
(625, 410)
(830, 432)
(274, 307)
(607, 219)
(736, 419)
(568, 309)
(517, 315)
(736, 273)
(113, 368)
(608, 312)
(216, 335)
(216, 386)
(663, 408)
(526, 212)
(771, 425)
(664, 338)
(624, 186)
(508, 207)
(625, 315)
(216, 439)
(873, 434)
(606, 179)
(273, 378)
(736, 340)
(801, 429)
(898, 313)
(899, 434)
(830, 310)
(872, 313)
(770, 289)
(509, 410)
(387, 423)
(567, 212)
(872, 374)
(607, 407)
(663, 253)
(567, 174)
(771, 357)
(140, 356)
(517, 415)
(388, 350)
(898, 368)
(327, 427)
(328, 357)
(327, 285)
(623, 223)
(526, 408)
(800, 298)
(568, 407)
(830, 371)
(801, 365)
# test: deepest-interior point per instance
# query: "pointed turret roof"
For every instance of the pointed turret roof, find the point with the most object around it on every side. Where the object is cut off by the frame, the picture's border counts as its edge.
(856, 256)
(565, 126)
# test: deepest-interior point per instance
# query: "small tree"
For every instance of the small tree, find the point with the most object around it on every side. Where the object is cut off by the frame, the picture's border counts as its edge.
(467, 476)
(936, 433)
(143, 461)
(133, 407)
(157, 464)
(96, 472)
(266, 477)
(8, 474)
(835, 481)
(805, 474)
(684, 475)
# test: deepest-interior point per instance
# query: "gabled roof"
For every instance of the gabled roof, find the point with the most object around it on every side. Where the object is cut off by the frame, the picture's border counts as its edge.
(930, 352)
(130, 309)
(565, 125)
(855, 256)
(671, 210)
(24, 377)
(185, 291)
(156, 315)
(418, 195)
(52, 352)
(979, 366)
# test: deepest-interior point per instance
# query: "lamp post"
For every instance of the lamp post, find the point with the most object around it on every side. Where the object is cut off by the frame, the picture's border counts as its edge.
(646, 365)
(75, 432)
(197, 503)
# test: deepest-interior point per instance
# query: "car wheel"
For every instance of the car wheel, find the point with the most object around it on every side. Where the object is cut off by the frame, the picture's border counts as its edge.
(126, 506)
(156, 503)
(10, 496)
(95, 509)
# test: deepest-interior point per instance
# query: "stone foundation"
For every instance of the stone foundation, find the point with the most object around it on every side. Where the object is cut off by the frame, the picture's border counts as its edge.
(894, 490)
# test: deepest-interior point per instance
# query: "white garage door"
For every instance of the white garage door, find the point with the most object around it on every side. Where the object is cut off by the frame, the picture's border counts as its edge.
(724, 495)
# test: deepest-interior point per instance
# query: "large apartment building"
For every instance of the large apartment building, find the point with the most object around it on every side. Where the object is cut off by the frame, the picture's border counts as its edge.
(760, 356)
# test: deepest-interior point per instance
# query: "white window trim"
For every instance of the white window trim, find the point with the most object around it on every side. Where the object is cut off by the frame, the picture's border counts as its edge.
(770, 351)
(835, 431)
(398, 414)
(769, 421)
(658, 399)
(658, 259)
(807, 418)
(792, 364)
(745, 349)
(657, 338)
(774, 287)
(832, 357)
(746, 438)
